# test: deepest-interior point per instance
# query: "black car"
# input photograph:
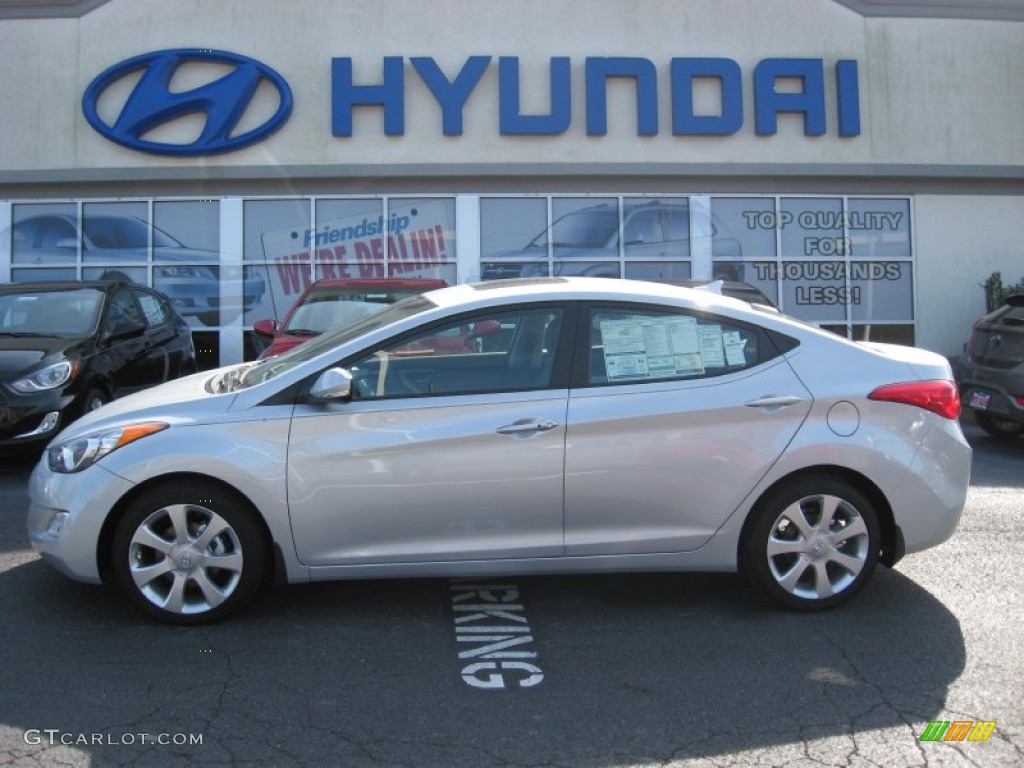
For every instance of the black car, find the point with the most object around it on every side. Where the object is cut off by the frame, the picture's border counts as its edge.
(991, 372)
(67, 348)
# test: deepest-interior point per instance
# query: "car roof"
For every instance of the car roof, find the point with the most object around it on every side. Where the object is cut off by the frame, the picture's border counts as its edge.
(558, 288)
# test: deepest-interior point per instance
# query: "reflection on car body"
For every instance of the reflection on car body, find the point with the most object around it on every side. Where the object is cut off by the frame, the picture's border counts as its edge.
(595, 425)
(119, 245)
(67, 348)
(329, 304)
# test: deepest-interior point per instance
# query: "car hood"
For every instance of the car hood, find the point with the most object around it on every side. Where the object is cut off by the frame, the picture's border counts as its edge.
(19, 354)
(160, 253)
(178, 402)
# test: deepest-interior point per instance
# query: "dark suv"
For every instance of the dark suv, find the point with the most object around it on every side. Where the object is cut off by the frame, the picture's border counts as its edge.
(992, 370)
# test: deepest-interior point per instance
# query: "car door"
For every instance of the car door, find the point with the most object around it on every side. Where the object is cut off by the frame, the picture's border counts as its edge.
(450, 448)
(126, 346)
(163, 348)
(673, 418)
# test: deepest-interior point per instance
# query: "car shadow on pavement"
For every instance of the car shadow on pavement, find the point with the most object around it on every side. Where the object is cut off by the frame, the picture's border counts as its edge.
(636, 668)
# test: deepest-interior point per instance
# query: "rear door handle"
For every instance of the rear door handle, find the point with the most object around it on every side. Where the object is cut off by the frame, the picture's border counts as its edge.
(526, 427)
(774, 402)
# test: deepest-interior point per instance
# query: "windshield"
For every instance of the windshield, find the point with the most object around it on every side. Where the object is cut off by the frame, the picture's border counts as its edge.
(593, 228)
(124, 232)
(327, 308)
(386, 315)
(72, 313)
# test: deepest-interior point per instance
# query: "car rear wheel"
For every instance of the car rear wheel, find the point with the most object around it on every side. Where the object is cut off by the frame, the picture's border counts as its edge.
(1004, 429)
(811, 545)
(188, 553)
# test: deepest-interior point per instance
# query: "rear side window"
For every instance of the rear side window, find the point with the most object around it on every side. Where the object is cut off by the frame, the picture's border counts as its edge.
(155, 311)
(641, 345)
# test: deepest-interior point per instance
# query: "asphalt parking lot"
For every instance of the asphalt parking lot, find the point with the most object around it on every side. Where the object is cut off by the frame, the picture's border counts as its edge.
(612, 670)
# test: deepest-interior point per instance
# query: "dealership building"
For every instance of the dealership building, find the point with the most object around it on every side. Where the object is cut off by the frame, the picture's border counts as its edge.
(861, 162)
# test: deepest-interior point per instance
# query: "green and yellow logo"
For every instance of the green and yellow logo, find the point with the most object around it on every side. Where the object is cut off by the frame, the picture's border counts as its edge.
(958, 730)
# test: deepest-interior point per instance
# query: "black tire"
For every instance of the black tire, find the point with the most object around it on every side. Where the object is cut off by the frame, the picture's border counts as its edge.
(1001, 429)
(94, 398)
(811, 545)
(164, 561)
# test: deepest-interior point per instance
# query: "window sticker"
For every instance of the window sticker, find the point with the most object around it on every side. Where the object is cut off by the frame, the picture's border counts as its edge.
(652, 348)
(734, 345)
(712, 351)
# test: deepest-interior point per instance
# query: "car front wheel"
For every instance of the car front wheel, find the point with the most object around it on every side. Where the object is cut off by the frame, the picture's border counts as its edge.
(94, 398)
(189, 553)
(811, 545)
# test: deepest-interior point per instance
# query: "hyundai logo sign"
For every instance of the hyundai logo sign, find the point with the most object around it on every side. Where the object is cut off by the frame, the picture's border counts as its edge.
(152, 103)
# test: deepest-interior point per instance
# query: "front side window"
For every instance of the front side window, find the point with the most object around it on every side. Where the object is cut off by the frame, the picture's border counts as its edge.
(507, 351)
(628, 345)
(123, 313)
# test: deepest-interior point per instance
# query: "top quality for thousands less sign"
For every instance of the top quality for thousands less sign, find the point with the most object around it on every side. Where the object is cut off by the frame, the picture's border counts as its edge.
(409, 243)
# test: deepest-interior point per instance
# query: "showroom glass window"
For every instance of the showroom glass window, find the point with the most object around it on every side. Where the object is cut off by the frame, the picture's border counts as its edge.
(635, 237)
(845, 263)
(295, 241)
(44, 242)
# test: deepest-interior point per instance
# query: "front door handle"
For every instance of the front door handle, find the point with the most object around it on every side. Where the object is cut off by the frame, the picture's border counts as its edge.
(526, 427)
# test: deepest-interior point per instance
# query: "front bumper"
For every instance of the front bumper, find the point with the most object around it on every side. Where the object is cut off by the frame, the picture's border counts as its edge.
(66, 514)
(23, 418)
(192, 296)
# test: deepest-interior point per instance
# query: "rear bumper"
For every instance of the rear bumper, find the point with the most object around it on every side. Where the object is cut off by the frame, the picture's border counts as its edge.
(933, 492)
(993, 391)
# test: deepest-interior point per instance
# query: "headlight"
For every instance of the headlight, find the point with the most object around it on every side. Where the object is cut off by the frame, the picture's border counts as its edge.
(50, 377)
(80, 452)
(176, 271)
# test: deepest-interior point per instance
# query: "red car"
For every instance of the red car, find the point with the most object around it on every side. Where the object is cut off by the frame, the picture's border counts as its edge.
(328, 304)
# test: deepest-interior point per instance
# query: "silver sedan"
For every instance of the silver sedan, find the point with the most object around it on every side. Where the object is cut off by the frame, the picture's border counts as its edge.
(558, 425)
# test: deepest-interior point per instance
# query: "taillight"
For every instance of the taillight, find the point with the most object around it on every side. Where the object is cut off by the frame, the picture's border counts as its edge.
(938, 396)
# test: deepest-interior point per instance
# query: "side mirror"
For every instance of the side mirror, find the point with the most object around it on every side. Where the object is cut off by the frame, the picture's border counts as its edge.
(266, 328)
(125, 328)
(332, 384)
